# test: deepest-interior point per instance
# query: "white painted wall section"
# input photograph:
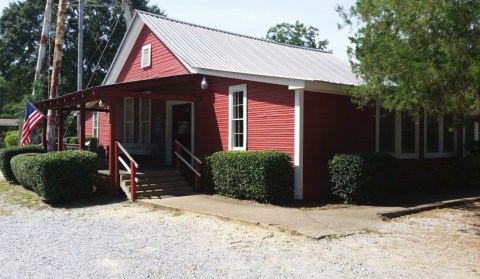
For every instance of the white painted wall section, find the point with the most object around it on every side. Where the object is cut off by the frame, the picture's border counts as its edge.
(298, 149)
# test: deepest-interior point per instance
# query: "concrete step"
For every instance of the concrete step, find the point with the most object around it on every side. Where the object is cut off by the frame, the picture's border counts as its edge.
(164, 192)
(180, 182)
(153, 174)
(141, 187)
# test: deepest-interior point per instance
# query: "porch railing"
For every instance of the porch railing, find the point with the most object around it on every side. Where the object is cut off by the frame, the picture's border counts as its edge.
(194, 165)
(131, 168)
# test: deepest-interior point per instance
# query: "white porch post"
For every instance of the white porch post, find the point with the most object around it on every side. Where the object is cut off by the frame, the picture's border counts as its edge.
(298, 145)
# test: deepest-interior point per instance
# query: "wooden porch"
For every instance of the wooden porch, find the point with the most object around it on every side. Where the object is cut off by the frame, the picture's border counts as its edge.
(90, 100)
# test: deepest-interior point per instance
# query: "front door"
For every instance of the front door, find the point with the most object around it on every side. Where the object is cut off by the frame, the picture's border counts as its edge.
(181, 126)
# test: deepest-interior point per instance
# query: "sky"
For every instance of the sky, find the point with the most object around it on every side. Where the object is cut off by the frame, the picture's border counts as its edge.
(255, 17)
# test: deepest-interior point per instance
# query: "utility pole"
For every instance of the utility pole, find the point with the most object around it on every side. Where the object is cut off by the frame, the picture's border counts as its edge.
(43, 40)
(126, 11)
(80, 46)
(80, 54)
(57, 67)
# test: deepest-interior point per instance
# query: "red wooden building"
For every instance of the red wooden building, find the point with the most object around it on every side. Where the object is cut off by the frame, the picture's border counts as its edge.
(213, 90)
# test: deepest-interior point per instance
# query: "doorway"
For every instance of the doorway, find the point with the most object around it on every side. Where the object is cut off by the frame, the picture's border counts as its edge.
(180, 126)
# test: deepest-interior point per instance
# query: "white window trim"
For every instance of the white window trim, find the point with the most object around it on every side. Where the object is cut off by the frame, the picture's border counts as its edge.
(125, 118)
(140, 129)
(231, 89)
(439, 154)
(398, 136)
(146, 62)
(95, 118)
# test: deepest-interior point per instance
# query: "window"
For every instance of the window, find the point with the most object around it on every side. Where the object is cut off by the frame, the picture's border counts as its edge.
(95, 124)
(145, 108)
(440, 140)
(128, 120)
(397, 133)
(238, 117)
(146, 56)
(471, 133)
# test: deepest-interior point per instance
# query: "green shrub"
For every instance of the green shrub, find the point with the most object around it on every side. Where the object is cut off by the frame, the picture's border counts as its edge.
(70, 140)
(473, 147)
(362, 177)
(11, 138)
(472, 165)
(6, 154)
(60, 176)
(264, 176)
(74, 140)
(207, 179)
(21, 166)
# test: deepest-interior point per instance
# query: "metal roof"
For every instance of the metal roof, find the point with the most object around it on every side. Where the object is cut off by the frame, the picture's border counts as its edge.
(207, 48)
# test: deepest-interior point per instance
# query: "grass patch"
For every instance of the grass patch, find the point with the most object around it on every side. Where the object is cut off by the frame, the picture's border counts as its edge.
(17, 195)
(6, 212)
(4, 186)
(177, 213)
(337, 236)
(367, 230)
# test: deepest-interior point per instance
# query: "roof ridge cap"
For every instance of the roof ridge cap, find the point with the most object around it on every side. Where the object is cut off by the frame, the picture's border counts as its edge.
(232, 33)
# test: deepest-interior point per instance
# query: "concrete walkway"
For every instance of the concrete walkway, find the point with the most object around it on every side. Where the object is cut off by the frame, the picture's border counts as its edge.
(313, 223)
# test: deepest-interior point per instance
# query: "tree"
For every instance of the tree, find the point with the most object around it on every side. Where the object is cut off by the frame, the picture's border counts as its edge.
(296, 34)
(20, 28)
(421, 57)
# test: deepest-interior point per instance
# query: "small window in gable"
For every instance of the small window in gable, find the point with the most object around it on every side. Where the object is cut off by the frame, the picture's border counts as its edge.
(146, 56)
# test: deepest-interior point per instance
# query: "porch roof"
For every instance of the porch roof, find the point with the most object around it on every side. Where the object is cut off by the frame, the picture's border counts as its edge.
(124, 89)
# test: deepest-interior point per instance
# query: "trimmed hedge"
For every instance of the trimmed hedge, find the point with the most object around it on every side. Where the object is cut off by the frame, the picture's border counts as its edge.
(264, 176)
(472, 165)
(21, 167)
(362, 177)
(6, 154)
(58, 176)
(207, 179)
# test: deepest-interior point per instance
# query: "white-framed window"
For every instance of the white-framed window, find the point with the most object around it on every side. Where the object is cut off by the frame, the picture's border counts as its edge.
(95, 124)
(145, 114)
(439, 139)
(128, 120)
(146, 56)
(397, 134)
(237, 126)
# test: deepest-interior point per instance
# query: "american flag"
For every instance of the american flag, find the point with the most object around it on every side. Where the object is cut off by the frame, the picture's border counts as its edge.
(32, 117)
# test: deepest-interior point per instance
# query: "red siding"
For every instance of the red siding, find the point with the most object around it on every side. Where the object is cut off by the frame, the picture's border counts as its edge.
(163, 62)
(104, 129)
(270, 117)
(332, 125)
(88, 123)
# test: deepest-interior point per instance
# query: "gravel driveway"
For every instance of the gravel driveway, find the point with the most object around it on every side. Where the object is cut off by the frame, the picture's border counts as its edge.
(123, 240)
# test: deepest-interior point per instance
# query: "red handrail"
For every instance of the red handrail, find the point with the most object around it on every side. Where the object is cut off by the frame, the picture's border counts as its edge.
(196, 168)
(132, 170)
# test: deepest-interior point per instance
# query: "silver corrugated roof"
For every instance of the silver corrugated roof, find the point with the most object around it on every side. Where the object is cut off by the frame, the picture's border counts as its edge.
(207, 48)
